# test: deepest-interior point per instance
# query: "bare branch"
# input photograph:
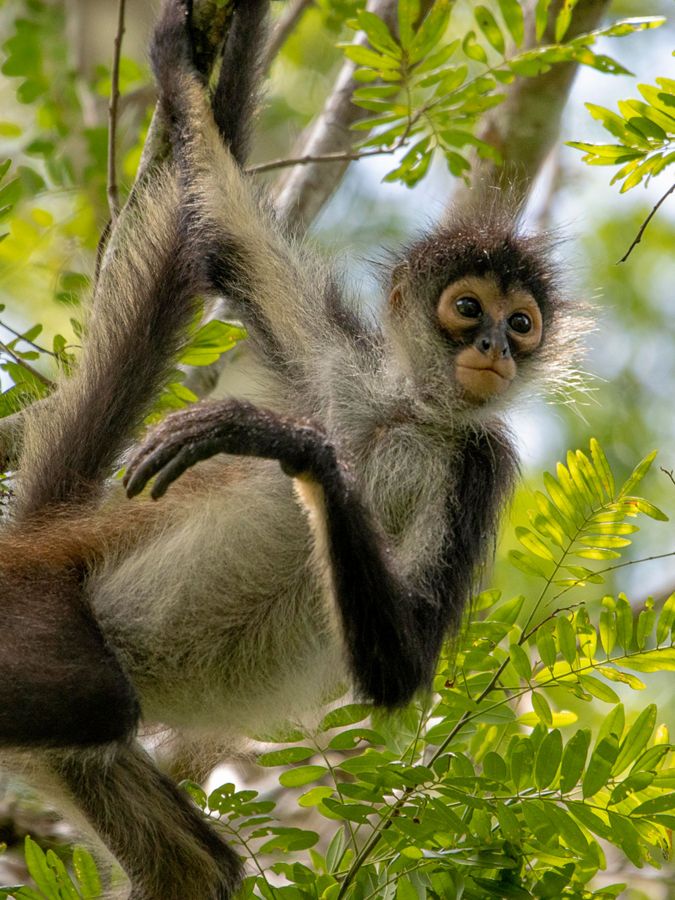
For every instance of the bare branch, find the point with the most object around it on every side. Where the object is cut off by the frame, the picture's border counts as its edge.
(290, 17)
(302, 193)
(348, 156)
(113, 193)
(524, 128)
(643, 227)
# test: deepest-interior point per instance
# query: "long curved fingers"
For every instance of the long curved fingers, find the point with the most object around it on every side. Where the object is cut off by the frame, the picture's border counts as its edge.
(229, 426)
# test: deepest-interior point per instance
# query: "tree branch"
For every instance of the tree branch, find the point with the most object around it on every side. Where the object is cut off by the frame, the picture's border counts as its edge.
(113, 192)
(301, 194)
(525, 126)
(643, 227)
(288, 20)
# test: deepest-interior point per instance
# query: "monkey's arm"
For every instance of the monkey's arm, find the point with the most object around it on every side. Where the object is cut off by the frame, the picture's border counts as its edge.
(393, 628)
(279, 290)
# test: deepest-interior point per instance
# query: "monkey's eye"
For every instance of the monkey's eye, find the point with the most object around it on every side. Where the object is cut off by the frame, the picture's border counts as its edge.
(468, 307)
(520, 323)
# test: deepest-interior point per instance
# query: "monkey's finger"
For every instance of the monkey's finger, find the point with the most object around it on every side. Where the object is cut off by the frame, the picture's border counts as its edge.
(185, 458)
(147, 464)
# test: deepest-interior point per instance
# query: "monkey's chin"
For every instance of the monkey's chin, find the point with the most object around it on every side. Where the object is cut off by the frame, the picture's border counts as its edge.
(480, 385)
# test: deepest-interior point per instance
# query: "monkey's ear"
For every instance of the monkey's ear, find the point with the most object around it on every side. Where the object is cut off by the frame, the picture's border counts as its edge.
(395, 300)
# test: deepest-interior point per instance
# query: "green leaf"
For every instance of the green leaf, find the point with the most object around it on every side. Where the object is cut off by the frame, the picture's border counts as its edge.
(661, 660)
(508, 611)
(626, 836)
(551, 511)
(599, 689)
(636, 739)
(602, 467)
(520, 661)
(488, 25)
(472, 49)
(594, 821)
(666, 619)
(541, 18)
(628, 26)
(336, 849)
(512, 14)
(88, 879)
(314, 796)
(345, 715)
(508, 822)
(600, 765)
(528, 564)
(431, 31)
(622, 677)
(378, 34)
(363, 56)
(546, 647)
(408, 16)
(535, 545)
(624, 622)
(574, 759)
(568, 829)
(647, 508)
(566, 639)
(661, 804)
(521, 759)
(548, 759)
(561, 500)
(645, 625)
(638, 474)
(542, 709)
(40, 872)
(302, 775)
(285, 757)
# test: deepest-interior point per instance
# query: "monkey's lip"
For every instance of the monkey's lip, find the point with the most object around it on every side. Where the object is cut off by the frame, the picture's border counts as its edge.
(486, 369)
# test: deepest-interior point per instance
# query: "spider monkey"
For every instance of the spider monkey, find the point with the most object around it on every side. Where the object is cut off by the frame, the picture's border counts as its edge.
(330, 536)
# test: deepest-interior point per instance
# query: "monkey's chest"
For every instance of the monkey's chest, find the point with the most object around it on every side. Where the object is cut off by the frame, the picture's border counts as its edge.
(405, 481)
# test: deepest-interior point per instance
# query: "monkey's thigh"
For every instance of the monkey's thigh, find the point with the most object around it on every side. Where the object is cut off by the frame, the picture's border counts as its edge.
(59, 681)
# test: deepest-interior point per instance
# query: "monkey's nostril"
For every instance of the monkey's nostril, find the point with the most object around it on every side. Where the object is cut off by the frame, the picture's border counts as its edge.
(484, 344)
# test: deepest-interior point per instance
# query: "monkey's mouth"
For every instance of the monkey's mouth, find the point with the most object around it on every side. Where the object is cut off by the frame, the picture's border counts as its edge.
(482, 382)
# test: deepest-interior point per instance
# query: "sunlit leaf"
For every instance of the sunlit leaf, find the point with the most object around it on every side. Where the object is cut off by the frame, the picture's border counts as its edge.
(548, 759)
(512, 14)
(600, 765)
(635, 739)
(574, 759)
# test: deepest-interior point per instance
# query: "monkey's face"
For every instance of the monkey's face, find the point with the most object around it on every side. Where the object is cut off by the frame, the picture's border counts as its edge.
(493, 329)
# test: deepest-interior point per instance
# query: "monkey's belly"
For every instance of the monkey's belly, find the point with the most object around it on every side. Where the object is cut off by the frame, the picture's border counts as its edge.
(220, 619)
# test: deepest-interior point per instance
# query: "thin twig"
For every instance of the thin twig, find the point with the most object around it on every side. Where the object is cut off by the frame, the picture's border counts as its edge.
(113, 193)
(646, 222)
(669, 473)
(347, 156)
(17, 334)
(24, 365)
(286, 24)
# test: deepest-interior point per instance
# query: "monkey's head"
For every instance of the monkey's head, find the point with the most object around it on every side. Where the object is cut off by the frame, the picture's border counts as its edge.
(475, 309)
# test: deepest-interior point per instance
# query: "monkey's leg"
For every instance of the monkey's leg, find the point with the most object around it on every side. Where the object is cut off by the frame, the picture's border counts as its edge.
(60, 684)
(150, 825)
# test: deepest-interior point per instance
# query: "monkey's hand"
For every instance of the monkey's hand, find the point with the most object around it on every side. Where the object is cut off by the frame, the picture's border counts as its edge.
(229, 426)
